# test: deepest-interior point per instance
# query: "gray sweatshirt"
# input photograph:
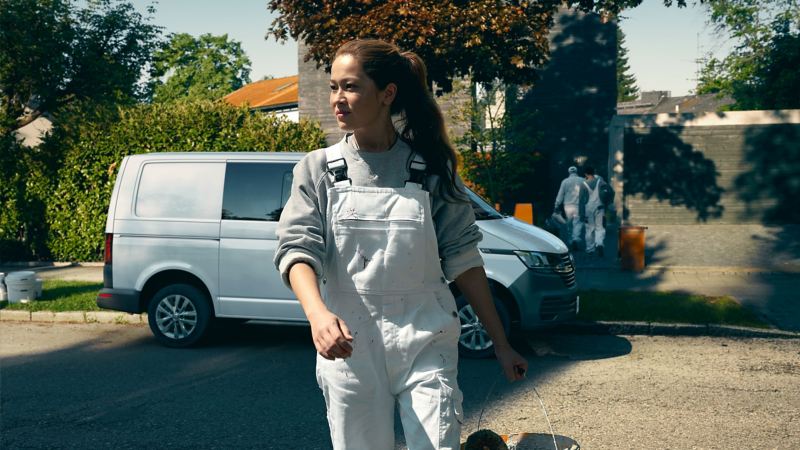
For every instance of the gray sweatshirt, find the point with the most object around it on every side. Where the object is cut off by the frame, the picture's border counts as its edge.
(301, 229)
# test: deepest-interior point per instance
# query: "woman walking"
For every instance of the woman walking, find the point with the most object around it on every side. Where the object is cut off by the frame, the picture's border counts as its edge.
(380, 221)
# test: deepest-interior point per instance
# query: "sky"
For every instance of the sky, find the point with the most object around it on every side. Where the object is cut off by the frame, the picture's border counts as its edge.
(662, 42)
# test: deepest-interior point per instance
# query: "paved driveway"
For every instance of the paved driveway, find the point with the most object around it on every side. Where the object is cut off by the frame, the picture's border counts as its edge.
(112, 386)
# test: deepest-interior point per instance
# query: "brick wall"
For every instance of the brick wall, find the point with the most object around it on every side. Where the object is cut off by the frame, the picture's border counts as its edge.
(713, 168)
(313, 89)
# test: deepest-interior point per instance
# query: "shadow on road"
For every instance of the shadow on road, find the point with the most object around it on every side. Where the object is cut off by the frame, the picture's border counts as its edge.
(250, 386)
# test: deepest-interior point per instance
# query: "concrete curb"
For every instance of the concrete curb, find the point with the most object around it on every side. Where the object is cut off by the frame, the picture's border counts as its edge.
(667, 329)
(605, 328)
(72, 317)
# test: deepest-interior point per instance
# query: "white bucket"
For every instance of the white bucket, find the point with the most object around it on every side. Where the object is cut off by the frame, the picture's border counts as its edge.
(21, 286)
(3, 291)
(39, 284)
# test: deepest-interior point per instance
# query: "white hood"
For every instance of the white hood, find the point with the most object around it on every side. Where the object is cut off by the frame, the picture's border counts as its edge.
(520, 236)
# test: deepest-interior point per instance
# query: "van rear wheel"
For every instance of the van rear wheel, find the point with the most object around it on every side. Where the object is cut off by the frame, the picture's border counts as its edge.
(178, 315)
(474, 341)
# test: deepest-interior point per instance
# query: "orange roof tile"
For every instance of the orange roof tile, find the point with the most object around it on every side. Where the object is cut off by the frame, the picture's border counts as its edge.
(266, 93)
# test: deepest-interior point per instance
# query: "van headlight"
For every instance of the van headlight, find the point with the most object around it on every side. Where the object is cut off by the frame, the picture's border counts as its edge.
(534, 260)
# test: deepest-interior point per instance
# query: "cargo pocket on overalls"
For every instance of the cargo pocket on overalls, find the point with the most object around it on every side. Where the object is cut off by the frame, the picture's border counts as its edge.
(451, 415)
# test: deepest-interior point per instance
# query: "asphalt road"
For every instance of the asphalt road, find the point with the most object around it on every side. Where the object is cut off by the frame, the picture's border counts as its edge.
(253, 386)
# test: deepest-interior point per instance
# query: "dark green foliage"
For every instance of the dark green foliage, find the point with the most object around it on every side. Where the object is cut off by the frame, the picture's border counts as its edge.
(485, 39)
(53, 53)
(26, 176)
(204, 68)
(12, 233)
(762, 70)
(626, 82)
(497, 148)
(62, 188)
(776, 80)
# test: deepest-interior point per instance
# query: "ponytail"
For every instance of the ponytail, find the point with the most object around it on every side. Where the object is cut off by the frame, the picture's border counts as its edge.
(422, 123)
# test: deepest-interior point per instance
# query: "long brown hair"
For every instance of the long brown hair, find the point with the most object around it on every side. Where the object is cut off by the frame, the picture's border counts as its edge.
(422, 122)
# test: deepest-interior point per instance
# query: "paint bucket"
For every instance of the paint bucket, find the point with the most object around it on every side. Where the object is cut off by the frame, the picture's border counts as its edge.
(21, 286)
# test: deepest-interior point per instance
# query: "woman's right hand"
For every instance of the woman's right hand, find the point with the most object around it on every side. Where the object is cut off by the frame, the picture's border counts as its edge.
(331, 336)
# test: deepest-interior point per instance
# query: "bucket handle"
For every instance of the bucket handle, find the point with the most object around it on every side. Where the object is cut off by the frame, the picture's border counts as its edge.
(541, 403)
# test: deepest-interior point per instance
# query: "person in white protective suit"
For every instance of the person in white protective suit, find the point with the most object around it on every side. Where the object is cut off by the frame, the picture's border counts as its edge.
(595, 211)
(572, 195)
(374, 228)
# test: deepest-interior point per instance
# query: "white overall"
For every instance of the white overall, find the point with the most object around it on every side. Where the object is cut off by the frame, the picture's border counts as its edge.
(383, 278)
(595, 232)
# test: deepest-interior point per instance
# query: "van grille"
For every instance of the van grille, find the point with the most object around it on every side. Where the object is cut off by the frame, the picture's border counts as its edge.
(552, 307)
(565, 269)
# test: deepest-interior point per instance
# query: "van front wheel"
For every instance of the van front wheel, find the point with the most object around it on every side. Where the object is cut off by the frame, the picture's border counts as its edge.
(474, 341)
(178, 315)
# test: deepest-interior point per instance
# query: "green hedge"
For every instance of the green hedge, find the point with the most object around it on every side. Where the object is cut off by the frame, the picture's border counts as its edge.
(25, 182)
(89, 144)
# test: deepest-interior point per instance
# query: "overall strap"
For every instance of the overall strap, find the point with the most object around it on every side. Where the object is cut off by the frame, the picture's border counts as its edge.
(416, 171)
(337, 166)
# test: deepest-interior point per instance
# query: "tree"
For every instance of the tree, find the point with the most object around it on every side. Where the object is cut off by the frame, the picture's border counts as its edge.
(626, 82)
(777, 82)
(485, 39)
(497, 145)
(204, 68)
(52, 53)
(761, 71)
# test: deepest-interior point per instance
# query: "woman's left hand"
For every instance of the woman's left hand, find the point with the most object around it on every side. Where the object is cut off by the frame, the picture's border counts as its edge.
(514, 365)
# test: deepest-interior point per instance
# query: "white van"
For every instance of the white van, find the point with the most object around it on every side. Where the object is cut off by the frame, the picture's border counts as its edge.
(190, 238)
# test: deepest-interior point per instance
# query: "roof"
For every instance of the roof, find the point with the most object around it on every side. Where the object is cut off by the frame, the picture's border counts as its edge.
(277, 93)
(657, 102)
(692, 104)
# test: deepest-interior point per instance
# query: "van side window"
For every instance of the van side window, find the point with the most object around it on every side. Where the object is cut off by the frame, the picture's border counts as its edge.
(256, 191)
(179, 190)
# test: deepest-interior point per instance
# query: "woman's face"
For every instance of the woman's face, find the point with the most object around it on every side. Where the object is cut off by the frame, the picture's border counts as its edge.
(357, 102)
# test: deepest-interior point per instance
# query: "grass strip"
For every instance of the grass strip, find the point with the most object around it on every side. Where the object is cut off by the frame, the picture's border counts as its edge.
(634, 306)
(665, 307)
(60, 295)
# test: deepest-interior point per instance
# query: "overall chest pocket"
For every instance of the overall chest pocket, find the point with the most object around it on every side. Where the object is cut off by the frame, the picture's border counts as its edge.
(380, 244)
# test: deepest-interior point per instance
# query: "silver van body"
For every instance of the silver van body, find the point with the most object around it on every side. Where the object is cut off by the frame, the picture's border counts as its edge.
(208, 220)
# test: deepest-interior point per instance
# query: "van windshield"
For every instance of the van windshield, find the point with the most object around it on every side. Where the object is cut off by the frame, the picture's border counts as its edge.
(482, 209)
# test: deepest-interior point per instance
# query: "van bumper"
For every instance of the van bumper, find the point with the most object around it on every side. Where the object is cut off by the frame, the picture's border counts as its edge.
(119, 300)
(544, 299)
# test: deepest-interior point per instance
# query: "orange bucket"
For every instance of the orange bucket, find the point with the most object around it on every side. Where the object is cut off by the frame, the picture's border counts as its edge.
(631, 247)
